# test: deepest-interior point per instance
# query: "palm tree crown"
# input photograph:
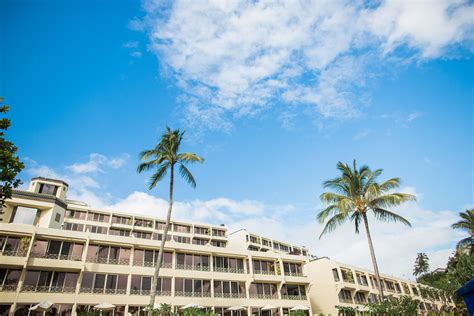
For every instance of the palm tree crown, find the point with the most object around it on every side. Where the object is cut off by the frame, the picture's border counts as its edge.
(467, 224)
(165, 155)
(356, 193)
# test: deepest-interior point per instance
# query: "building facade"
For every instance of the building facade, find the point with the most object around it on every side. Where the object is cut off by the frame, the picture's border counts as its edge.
(63, 251)
(334, 283)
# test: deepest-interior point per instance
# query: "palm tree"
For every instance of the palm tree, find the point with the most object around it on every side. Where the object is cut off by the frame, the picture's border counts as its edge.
(422, 265)
(466, 223)
(166, 156)
(356, 194)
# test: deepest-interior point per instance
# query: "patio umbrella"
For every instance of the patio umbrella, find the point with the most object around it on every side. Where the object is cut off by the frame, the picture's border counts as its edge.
(42, 307)
(268, 307)
(300, 308)
(155, 306)
(192, 305)
(104, 306)
(236, 308)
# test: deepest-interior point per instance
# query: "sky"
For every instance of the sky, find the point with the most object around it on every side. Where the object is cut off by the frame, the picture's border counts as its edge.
(272, 94)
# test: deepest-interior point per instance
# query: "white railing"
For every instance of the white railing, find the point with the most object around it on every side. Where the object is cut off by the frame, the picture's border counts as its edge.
(147, 292)
(193, 294)
(230, 295)
(108, 261)
(103, 291)
(294, 297)
(56, 256)
(264, 296)
(192, 267)
(228, 270)
(48, 289)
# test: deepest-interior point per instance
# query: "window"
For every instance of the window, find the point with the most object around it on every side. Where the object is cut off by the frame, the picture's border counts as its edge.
(266, 242)
(335, 274)
(108, 254)
(218, 243)
(347, 275)
(360, 298)
(123, 220)
(148, 258)
(9, 279)
(226, 264)
(50, 189)
(74, 227)
(199, 241)
(24, 215)
(10, 246)
(143, 223)
(75, 214)
(292, 269)
(218, 232)
(284, 248)
(57, 217)
(293, 291)
(119, 232)
(263, 290)
(96, 229)
(345, 296)
(361, 279)
(188, 261)
(373, 298)
(201, 230)
(104, 283)
(142, 235)
(192, 287)
(181, 228)
(263, 267)
(141, 285)
(181, 239)
(97, 217)
(56, 249)
(229, 289)
(415, 290)
(160, 225)
(50, 281)
(254, 239)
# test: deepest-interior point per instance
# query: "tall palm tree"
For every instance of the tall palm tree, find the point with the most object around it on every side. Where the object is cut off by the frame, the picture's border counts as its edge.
(467, 224)
(357, 193)
(163, 158)
(422, 264)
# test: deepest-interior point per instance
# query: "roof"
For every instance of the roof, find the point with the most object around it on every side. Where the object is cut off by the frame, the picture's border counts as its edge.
(50, 179)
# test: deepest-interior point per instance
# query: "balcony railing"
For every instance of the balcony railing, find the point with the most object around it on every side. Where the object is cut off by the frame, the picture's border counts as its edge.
(48, 289)
(147, 292)
(345, 300)
(57, 256)
(294, 274)
(152, 264)
(265, 272)
(108, 261)
(103, 291)
(8, 288)
(14, 253)
(294, 297)
(193, 294)
(230, 295)
(264, 296)
(192, 267)
(228, 270)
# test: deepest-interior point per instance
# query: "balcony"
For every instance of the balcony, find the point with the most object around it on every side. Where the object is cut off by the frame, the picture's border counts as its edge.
(294, 297)
(147, 292)
(230, 295)
(265, 272)
(14, 253)
(346, 300)
(8, 288)
(48, 289)
(192, 267)
(152, 264)
(229, 270)
(89, 290)
(264, 296)
(57, 257)
(294, 274)
(192, 294)
(108, 261)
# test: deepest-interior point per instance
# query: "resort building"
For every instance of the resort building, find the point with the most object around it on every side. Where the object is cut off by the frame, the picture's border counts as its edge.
(338, 284)
(62, 251)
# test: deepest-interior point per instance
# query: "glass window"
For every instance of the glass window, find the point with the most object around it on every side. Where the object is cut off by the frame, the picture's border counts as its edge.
(24, 215)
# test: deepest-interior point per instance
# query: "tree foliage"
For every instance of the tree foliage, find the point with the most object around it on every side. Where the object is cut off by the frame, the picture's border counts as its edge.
(9, 161)
(422, 265)
(466, 223)
(393, 306)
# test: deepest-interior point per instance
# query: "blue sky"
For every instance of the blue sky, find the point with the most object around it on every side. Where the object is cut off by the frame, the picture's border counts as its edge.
(271, 112)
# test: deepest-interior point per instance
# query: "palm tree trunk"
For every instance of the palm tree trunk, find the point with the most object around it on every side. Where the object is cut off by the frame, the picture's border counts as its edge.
(163, 240)
(372, 254)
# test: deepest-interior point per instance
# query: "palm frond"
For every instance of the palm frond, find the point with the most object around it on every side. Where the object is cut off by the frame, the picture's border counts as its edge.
(389, 200)
(158, 175)
(356, 218)
(334, 222)
(189, 157)
(331, 209)
(387, 216)
(187, 175)
(390, 184)
(148, 165)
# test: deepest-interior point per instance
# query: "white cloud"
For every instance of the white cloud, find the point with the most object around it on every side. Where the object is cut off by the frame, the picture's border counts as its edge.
(136, 54)
(130, 44)
(362, 133)
(236, 58)
(97, 162)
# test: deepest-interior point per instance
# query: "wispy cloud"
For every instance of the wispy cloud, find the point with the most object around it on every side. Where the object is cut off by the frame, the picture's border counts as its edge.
(130, 44)
(237, 58)
(413, 116)
(362, 133)
(136, 54)
(96, 163)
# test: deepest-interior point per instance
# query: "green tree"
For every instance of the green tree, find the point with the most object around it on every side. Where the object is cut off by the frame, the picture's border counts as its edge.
(164, 157)
(392, 306)
(356, 193)
(9, 161)
(422, 265)
(466, 223)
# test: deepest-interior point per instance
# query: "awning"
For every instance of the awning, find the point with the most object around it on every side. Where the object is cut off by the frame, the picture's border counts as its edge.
(236, 308)
(104, 306)
(300, 308)
(268, 307)
(42, 307)
(192, 305)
